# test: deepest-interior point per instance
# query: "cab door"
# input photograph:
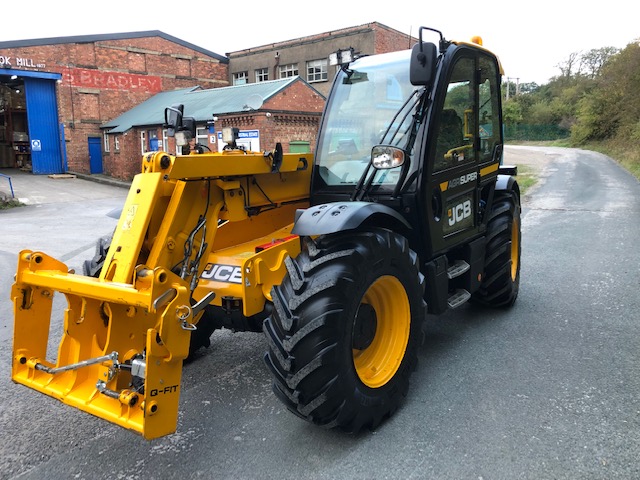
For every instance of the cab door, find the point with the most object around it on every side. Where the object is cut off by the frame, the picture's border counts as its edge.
(466, 149)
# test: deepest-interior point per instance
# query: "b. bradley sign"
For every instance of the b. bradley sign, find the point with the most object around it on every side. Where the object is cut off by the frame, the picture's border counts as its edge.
(89, 78)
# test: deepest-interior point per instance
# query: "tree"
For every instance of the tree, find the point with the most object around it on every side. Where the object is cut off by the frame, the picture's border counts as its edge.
(596, 96)
(567, 67)
(529, 87)
(612, 107)
(512, 112)
(592, 62)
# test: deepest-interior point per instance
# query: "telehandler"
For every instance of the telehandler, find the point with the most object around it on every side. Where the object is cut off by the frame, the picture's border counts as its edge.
(404, 209)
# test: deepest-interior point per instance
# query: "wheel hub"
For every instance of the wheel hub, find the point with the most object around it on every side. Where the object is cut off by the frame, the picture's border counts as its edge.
(381, 331)
(364, 329)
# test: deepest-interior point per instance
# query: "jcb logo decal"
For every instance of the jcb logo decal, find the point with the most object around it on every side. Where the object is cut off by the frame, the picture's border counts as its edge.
(459, 212)
(222, 273)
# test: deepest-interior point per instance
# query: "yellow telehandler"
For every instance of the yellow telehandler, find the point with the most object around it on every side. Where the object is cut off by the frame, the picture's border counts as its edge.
(404, 209)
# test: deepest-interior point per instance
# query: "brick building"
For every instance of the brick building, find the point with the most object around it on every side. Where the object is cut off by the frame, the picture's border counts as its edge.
(55, 93)
(308, 56)
(288, 111)
(283, 111)
(59, 97)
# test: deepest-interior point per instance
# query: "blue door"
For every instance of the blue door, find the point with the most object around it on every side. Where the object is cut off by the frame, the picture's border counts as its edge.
(42, 119)
(95, 155)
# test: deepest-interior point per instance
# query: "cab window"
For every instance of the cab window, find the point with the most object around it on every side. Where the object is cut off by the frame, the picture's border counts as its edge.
(489, 110)
(456, 125)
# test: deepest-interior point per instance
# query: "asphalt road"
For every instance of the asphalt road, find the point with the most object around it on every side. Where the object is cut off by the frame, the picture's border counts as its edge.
(549, 389)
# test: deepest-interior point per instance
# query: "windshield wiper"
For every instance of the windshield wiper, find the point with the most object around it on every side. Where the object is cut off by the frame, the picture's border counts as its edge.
(418, 106)
(398, 112)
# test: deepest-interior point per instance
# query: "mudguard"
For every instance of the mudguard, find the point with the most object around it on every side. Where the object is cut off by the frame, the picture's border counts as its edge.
(506, 183)
(335, 217)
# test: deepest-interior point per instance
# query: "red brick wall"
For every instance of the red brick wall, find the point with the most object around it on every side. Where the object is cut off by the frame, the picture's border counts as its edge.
(298, 97)
(126, 162)
(103, 79)
(389, 40)
(283, 128)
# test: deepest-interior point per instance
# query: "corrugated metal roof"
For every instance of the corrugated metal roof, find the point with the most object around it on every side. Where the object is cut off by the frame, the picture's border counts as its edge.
(199, 104)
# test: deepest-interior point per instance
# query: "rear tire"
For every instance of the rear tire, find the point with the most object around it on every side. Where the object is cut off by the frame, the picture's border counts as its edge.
(345, 329)
(501, 279)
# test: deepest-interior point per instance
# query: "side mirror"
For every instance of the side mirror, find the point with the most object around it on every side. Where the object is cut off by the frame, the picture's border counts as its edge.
(178, 126)
(423, 63)
(173, 118)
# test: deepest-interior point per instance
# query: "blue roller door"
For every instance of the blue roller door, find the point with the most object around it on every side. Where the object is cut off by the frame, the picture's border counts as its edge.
(42, 119)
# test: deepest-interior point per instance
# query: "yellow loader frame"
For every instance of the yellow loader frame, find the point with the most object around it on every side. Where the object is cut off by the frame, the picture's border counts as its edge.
(125, 334)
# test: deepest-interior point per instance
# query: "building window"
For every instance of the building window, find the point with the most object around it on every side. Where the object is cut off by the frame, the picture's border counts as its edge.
(240, 78)
(116, 143)
(317, 71)
(202, 136)
(143, 142)
(154, 144)
(165, 140)
(290, 70)
(105, 138)
(262, 75)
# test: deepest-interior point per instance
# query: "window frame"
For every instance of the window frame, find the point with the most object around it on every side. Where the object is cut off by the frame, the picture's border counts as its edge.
(105, 138)
(143, 142)
(202, 133)
(288, 70)
(262, 74)
(323, 65)
(165, 140)
(241, 78)
(437, 167)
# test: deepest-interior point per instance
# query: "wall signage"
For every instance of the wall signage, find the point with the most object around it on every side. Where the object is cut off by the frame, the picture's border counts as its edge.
(89, 78)
(11, 62)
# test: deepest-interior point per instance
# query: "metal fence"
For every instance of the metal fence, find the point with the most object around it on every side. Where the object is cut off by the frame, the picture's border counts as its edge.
(534, 132)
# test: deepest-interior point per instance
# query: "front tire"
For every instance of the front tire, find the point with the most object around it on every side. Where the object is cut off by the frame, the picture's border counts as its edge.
(93, 267)
(346, 326)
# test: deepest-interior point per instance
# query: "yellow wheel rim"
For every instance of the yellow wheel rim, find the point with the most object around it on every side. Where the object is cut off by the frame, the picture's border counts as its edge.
(515, 248)
(380, 360)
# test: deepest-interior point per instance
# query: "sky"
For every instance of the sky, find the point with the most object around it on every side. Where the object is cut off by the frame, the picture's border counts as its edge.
(530, 38)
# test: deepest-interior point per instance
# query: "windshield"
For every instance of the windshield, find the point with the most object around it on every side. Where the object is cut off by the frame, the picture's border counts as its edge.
(372, 103)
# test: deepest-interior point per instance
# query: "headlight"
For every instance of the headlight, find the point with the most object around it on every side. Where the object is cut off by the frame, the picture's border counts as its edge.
(182, 138)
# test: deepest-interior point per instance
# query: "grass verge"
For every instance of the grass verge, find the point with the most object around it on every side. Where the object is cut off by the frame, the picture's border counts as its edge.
(527, 178)
(624, 153)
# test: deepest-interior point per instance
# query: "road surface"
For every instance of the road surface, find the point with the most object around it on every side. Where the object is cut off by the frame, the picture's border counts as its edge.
(549, 389)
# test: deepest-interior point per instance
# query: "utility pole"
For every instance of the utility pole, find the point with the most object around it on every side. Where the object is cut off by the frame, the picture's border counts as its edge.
(517, 79)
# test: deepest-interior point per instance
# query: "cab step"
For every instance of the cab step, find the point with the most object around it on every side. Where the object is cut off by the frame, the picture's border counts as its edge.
(458, 297)
(457, 269)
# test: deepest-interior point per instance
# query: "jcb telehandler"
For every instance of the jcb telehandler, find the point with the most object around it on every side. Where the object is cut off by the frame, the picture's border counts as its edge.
(403, 210)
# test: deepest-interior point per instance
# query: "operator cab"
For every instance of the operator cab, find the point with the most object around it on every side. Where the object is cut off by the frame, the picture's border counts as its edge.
(417, 131)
